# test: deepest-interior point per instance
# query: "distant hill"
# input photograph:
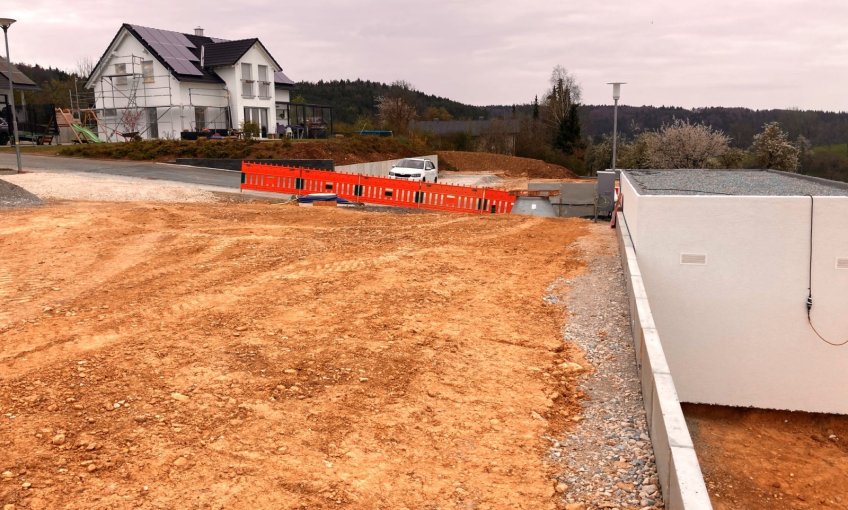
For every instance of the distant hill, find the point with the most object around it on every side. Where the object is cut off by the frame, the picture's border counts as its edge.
(352, 99)
(741, 124)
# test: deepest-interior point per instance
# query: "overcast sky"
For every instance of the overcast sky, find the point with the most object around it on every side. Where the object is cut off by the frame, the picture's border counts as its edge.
(753, 53)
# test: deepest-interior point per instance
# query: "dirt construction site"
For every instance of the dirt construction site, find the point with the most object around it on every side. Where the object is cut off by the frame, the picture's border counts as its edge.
(212, 355)
(190, 349)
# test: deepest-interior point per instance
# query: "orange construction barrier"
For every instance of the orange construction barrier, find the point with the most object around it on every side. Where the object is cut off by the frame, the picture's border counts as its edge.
(376, 190)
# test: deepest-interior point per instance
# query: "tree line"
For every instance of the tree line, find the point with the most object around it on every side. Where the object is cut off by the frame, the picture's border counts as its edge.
(557, 128)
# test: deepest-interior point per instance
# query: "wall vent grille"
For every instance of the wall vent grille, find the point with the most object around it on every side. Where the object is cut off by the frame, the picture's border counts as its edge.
(696, 259)
(842, 263)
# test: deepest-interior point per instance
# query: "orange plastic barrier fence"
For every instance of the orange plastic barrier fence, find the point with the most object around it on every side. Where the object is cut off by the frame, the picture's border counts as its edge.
(375, 190)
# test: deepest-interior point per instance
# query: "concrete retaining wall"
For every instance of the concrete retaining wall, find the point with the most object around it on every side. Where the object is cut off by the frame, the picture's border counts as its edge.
(734, 323)
(576, 199)
(379, 168)
(677, 465)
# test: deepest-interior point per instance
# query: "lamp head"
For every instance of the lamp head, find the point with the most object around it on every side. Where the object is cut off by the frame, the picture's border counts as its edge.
(6, 22)
(616, 89)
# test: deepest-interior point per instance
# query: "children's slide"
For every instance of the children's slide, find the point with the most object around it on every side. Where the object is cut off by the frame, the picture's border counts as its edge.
(87, 133)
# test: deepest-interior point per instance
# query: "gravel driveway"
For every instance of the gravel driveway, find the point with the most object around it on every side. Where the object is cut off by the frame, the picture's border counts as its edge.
(110, 188)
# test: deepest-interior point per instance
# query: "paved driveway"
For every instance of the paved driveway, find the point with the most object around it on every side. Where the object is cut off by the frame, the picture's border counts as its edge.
(144, 170)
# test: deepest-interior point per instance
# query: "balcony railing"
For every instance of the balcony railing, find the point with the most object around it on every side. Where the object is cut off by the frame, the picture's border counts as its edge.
(247, 89)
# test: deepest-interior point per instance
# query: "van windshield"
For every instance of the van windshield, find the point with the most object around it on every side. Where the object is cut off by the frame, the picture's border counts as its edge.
(411, 163)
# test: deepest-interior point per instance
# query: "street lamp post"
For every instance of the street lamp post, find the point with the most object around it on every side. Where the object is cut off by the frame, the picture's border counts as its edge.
(6, 23)
(616, 94)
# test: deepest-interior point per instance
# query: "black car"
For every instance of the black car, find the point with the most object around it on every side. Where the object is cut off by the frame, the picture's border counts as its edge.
(4, 131)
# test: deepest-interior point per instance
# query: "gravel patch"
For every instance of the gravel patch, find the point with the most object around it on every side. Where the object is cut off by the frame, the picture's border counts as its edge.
(732, 182)
(12, 196)
(109, 188)
(607, 461)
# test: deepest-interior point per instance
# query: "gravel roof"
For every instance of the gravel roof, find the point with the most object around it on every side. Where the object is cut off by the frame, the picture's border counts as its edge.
(732, 182)
(12, 195)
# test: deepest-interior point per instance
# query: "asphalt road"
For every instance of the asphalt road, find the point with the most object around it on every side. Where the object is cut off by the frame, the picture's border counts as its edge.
(143, 170)
(179, 173)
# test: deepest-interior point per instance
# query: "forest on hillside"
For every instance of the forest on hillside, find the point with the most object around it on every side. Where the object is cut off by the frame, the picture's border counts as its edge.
(356, 100)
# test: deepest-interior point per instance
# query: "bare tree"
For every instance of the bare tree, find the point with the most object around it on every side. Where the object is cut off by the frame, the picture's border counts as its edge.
(772, 149)
(395, 109)
(564, 93)
(560, 112)
(85, 66)
(682, 144)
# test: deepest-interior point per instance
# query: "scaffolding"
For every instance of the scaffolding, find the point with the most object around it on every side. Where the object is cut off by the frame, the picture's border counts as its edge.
(131, 104)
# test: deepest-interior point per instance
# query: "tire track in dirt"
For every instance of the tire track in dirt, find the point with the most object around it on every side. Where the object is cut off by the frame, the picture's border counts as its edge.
(368, 382)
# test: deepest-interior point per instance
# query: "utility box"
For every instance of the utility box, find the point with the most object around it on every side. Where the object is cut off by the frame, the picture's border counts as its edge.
(605, 198)
(727, 258)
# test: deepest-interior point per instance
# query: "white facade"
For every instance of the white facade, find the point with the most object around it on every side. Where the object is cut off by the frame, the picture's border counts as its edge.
(135, 92)
(734, 323)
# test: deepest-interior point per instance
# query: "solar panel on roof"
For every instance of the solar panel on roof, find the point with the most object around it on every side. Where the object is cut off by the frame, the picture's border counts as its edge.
(185, 53)
(186, 67)
(173, 47)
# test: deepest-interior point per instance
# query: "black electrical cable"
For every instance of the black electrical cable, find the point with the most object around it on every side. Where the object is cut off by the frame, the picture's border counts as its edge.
(810, 283)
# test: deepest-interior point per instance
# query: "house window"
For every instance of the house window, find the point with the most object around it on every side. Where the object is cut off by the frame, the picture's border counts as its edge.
(110, 112)
(258, 116)
(264, 84)
(247, 81)
(147, 71)
(199, 118)
(121, 75)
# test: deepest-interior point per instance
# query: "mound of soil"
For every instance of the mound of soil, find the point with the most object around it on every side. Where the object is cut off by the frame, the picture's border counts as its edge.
(12, 195)
(508, 166)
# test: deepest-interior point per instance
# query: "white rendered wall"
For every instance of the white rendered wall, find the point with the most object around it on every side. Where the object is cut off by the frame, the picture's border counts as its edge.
(255, 57)
(735, 330)
(176, 100)
(182, 96)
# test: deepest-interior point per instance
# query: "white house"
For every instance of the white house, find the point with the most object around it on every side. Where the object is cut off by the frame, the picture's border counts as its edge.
(161, 84)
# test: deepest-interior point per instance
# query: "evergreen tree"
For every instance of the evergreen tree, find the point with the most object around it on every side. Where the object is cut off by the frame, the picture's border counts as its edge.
(567, 136)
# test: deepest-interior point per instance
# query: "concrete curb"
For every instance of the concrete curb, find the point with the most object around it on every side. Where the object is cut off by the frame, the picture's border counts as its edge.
(680, 476)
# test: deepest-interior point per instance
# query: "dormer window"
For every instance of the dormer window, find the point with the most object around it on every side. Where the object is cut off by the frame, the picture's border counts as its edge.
(247, 90)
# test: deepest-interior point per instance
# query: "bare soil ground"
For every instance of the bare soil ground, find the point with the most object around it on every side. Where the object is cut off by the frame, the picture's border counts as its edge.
(503, 165)
(255, 356)
(758, 459)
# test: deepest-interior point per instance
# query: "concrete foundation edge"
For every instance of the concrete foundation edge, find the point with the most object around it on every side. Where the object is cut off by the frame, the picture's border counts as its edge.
(679, 472)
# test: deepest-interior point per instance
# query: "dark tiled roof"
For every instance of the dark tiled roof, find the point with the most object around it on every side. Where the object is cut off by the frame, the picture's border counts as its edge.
(226, 53)
(281, 80)
(19, 79)
(185, 63)
(192, 70)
